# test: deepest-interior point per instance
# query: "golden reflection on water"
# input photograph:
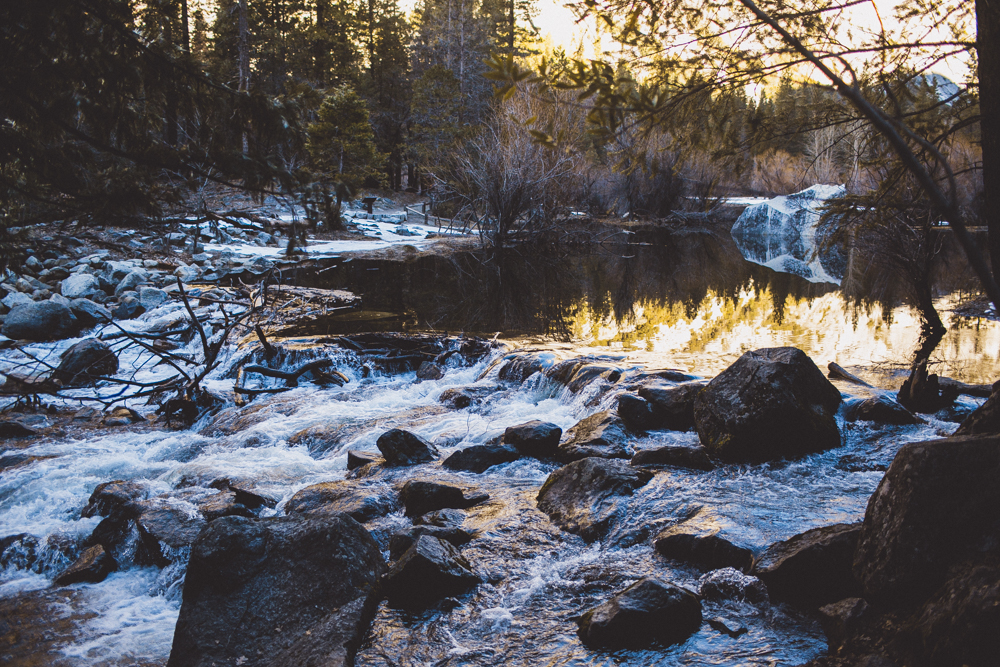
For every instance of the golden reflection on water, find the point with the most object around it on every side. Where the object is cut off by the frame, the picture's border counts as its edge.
(707, 337)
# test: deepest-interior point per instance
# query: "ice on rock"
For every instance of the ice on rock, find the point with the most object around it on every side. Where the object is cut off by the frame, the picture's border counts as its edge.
(781, 233)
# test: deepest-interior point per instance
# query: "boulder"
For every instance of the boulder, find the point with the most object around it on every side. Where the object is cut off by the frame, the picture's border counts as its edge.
(678, 456)
(479, 458)
(841, 620)
(132, 281)
(443, 518)
(402, 448)
(936, 506)
(771, 403)
(648, 611)
(420, 497)
(700, 545)
(89, 313)
(585, 497)
(162, 525)
(429, 570)
(730, 584)
(94, 565)
(9, 429)
(519, 367)
(400, 542)
(635, 412)
(128, 308)
(672, 407)
(41, 321)
(84, 362)
(80, 286)
(429, 371)
(223, 504)
(151, 297)
(882, 410)
(111, 497)
(463, 397)
(16, 299)
(600, 435)
(187, 273)
(812, 568)
(277, 592)
(356, 460)
(535, 438)
(984, 419)
(360, 504)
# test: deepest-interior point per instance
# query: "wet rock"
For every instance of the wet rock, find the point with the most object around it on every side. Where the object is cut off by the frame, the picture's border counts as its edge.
(443, 518)
(89, 313)
(41, 321)
(222, 504)
(128, 308)
(420, 497)
(19, 551)
(122, 416)
(309, 584)
(400, 542)
(479, 458)
(402, 448)
(730, 584)
(361, 504)
(246, 493)
(812, 568)
(841, 620)
(771, 403)
(463, 397)
(161, 525)
(881, 409)
(635, 412)
(672, 407)
(429, 371)
(585, 496)
(728, 626)
(92, 566)
(588, 374)
(319, 438)
(9, 429)
(357, 459)
(535, 438)
(111, 497)
(600, 435)
(431, 569)
(938, 505)
(648, 611)
(84, 362)
(698, 545)
(984, 420)
(518, 368)
(80, 286)
(678, 456)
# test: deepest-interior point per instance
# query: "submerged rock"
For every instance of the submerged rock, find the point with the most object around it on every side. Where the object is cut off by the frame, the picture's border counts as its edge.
(420, 497)
(279, 591)
(812, 568)
(771, 403)
(585, 496)
(480, 458)
(600, 435)
(84, 362)
(648, 611)
(402, 448)
(431, 569)
(535, 438)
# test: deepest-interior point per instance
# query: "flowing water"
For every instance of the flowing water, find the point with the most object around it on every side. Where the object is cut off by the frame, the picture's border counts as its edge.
(685, 303)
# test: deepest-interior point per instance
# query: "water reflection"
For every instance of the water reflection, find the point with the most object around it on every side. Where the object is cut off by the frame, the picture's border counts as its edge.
(683, 299)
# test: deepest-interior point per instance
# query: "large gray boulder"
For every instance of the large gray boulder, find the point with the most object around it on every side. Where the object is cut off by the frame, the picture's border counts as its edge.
(86, 361)
(277, 592)
(771, 403)
(80, 286)
(586, 496)
(44, 320)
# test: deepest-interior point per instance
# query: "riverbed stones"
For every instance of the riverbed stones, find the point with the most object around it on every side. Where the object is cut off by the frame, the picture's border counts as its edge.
(85, 362)
(535, 438)
(93, 565)
(586, 496)
(771, 403)
(700, 545)
(44, 320)
(480, 458)
(600, 435)
(728, 583)
(431, 569)
(813, 568)
(89, 312)
(937, 506)
(281, 591)
(403, 540)
(151, 297)
(361, 504)
(648, 611)
(676, 456)
(422, 496)
(402, 448)
(80, 286)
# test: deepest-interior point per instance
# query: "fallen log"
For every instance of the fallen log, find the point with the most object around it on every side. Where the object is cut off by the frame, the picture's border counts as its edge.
(838, 372)
(291, 378)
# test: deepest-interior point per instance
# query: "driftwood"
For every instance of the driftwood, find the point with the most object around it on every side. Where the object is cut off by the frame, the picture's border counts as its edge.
(838, 372)
(291, 378)
(980, 390)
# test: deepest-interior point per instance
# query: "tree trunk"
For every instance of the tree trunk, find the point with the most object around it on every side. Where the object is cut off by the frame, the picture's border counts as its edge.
(988, 48)
(243, 46)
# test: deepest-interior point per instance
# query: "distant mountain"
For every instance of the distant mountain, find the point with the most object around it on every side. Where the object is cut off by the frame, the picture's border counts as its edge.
(944, 86)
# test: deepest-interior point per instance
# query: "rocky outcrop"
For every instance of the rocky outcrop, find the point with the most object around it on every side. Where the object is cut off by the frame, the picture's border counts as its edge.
(45, 320)
(771, 403)
(648, 611)
(431, 569)
(586, 496)
(85, 362)
(480, 458)
(600, 435)
(535, 438)
(279, 592)
(402, 448)
(812, 568)
(420, 497)
(361, 504)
